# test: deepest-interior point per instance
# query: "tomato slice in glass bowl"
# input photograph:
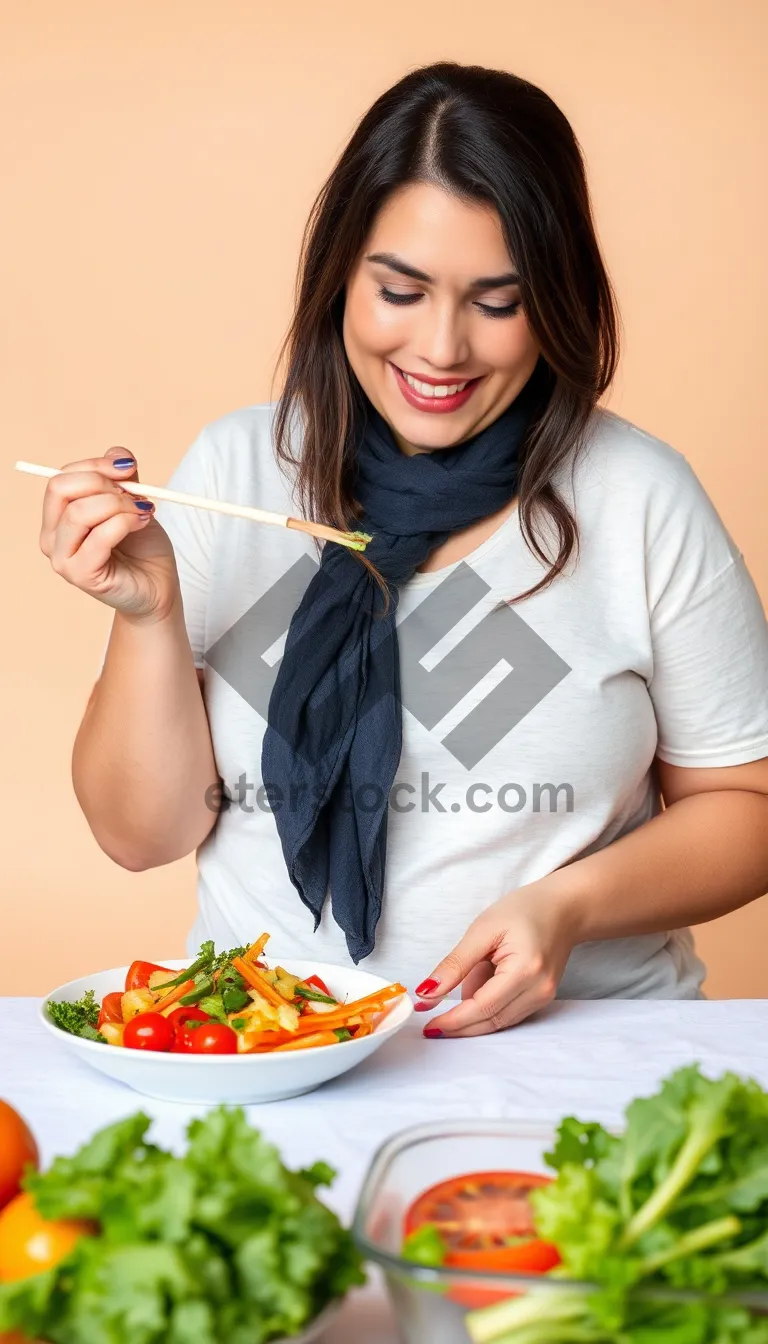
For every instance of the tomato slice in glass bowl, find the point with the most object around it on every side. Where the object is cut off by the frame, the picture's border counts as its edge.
(486, 1221)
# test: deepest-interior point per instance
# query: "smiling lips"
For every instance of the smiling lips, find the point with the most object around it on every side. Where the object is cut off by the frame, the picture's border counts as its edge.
(429, 395)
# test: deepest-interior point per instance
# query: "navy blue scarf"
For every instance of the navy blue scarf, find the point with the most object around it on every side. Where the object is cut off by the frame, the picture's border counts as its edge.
(334, 734)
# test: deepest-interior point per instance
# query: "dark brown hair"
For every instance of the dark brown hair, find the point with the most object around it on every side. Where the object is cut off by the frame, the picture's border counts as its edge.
(487, 136)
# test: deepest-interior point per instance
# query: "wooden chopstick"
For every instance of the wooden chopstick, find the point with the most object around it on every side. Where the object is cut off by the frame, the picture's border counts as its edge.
(354, 541)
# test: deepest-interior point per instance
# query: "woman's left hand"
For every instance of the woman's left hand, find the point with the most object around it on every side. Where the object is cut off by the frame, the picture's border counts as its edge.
(509, 962)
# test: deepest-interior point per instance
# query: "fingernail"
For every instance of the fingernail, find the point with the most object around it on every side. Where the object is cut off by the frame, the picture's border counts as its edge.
(124, 462)
(425, 1007)
(144, 504)
(432, 1033)
(427, 987)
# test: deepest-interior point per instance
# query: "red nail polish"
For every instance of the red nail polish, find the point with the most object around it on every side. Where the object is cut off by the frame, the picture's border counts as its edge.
(432, 1032)
(427, 987)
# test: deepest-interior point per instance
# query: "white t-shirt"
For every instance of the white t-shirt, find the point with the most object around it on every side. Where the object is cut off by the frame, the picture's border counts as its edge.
(529, 732)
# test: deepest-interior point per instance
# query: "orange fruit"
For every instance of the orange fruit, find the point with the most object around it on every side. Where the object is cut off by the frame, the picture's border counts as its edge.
(30, 1243)
(17, 1147)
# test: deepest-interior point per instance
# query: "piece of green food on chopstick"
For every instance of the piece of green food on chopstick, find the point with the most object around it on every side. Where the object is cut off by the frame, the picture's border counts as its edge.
(678, 1201)
(222, 1243)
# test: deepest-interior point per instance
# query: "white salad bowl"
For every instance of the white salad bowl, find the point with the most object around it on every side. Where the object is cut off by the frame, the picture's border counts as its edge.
(242, 1078)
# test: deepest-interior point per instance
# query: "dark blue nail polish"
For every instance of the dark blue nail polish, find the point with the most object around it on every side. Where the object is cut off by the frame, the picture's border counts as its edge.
(144, 504)
(124, 462)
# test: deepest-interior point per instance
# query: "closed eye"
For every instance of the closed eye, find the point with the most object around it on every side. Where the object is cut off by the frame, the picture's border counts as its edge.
(488, 309)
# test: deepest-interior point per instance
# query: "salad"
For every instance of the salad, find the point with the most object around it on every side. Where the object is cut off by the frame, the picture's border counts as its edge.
(224, 1003)
(677, 1203)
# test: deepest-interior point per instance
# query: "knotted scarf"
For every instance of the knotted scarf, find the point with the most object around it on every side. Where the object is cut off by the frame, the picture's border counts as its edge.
(334, 732)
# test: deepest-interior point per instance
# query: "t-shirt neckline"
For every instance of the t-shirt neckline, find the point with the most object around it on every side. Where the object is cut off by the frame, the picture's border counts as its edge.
(497, 539)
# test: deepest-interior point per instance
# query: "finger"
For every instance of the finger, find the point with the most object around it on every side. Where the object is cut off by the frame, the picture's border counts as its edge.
(126, 473)
(529, 1001)
(81, 516)
(89, 476)
(91, 561)
(476, 946)
(477, 977)
(489, 1002)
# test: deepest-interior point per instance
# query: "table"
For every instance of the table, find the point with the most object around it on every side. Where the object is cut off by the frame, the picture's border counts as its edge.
(583, 1058)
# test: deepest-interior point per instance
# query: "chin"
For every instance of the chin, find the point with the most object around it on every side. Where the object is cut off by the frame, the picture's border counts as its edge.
(433, 431)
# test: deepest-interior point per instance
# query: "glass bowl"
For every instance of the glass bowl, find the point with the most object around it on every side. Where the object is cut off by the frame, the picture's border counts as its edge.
(431, 1304)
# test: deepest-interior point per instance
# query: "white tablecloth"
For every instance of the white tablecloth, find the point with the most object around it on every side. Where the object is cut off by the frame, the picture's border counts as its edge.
(587, 1059)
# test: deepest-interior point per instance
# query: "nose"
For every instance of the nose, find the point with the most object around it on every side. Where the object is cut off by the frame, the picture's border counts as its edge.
(441, 339)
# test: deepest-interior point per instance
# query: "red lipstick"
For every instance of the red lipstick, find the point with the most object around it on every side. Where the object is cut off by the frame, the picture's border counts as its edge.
(434, 405)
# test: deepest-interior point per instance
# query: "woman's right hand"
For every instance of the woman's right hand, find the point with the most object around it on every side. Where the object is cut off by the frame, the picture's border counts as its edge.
(97, 538)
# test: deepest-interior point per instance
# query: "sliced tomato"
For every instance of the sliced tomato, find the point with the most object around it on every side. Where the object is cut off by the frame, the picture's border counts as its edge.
(214, 1038)
(148, 1031)
(180, 1019)
(140, 971)
(486, 1221)
(111, 1008)
(318, 984)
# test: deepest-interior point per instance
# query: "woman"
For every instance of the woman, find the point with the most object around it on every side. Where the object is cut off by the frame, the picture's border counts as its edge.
(466, 739)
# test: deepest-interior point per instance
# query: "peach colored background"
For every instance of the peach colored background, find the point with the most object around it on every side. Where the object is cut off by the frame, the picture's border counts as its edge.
(158, 162)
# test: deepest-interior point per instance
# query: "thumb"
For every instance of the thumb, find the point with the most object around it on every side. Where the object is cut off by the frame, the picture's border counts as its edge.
(476, 946)
(115, 455)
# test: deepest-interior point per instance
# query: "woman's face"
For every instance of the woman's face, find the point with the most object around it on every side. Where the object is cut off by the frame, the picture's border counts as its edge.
(458, 320)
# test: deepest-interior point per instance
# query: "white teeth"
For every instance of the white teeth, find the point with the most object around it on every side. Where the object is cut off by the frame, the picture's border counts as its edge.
(430, 390)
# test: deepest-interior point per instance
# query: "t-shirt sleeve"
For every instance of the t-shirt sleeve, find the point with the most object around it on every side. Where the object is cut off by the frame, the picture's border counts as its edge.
(191, 532)
(709, 635)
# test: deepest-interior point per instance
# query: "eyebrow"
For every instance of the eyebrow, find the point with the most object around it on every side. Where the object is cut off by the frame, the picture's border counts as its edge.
(396, 263)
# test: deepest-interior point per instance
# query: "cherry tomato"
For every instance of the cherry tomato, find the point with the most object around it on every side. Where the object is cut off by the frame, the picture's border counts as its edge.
(481, 1217)
(179, 1020)
(111, 1009)
(148, 1031)
(140, 971)
(30, 1243)
(214, 1038)
(318, 984)
(17, 1148)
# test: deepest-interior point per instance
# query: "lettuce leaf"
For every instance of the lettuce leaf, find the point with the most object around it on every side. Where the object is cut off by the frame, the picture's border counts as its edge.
(679, 1199)
(224, 1242)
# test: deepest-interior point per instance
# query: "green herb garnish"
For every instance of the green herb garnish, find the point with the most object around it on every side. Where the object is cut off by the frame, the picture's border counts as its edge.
(79, 1018)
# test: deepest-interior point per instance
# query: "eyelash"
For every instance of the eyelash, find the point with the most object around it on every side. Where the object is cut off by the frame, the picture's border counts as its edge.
(508, 311)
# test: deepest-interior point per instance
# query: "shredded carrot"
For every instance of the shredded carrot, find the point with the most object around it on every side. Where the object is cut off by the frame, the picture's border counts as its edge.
(256, 949)
(379, 996)
(256, 980)
(307, 1042)
(330, 1021)
(268, 1040)
(364, 1029)
(361, 1008)
(174, 996)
